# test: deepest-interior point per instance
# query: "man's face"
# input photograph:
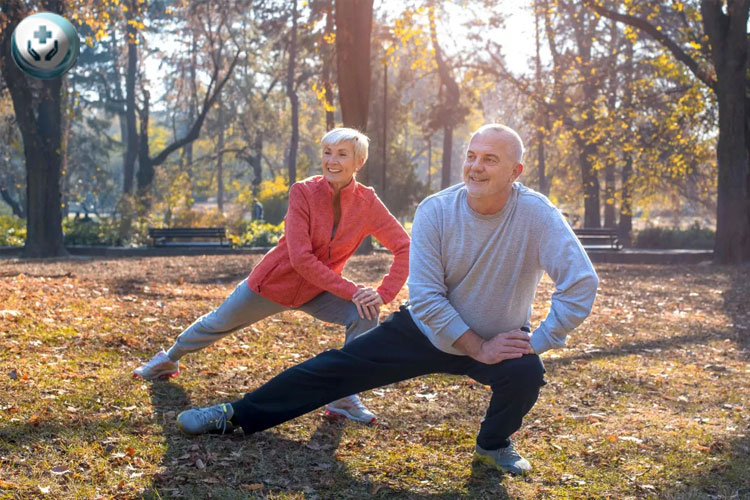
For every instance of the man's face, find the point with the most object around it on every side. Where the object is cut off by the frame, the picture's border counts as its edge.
(489, 169)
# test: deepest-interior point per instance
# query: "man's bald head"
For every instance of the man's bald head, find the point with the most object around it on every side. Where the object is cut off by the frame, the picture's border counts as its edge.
(511, 139)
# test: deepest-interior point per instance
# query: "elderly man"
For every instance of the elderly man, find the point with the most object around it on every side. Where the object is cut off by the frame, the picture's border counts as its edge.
(479, 250)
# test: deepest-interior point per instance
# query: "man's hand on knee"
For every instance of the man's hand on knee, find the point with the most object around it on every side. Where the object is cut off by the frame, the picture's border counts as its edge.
(507, 345)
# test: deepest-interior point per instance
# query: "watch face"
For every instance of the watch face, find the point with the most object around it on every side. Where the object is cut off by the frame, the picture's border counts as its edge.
(45, 45)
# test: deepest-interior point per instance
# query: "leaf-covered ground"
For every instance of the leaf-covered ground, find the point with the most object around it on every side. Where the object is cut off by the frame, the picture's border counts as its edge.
(649, 400)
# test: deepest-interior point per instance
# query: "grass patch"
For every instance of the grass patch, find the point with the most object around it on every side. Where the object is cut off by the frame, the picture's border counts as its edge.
(649, 399)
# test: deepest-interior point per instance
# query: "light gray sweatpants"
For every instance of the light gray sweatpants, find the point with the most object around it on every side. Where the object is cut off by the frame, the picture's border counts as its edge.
(244, 307)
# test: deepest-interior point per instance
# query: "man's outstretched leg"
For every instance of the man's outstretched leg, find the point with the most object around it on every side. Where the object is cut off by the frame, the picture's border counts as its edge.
(395, 350)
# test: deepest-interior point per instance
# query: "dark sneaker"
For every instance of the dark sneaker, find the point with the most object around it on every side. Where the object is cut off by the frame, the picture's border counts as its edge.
(350, 407)
(214, 419)
(160, 366)
(504, 459)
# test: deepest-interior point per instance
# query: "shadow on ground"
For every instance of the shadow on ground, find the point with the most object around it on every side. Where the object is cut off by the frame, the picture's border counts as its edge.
(236, 466)
(720, 478)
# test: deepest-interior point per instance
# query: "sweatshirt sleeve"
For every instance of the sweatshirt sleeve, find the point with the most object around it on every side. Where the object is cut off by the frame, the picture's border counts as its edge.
(564, 259)
(301, 256)
(428, 294)
(391, 234)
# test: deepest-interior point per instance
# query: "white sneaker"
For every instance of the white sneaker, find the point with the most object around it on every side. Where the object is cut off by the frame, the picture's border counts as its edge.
(201, 420)
(160, 366)
(505, 459)
(350, 407)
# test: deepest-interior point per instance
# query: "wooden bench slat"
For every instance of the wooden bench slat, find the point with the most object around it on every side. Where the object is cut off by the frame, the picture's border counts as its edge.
(162, 236)
(598, 238)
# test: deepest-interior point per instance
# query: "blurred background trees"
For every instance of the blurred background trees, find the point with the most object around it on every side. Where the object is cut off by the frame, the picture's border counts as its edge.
(185, 113)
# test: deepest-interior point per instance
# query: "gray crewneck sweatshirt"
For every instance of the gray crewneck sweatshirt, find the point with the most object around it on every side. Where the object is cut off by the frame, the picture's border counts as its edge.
(480, 272)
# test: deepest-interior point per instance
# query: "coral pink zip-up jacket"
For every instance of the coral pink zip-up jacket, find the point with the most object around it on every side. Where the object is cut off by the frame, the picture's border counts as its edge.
(308, 261)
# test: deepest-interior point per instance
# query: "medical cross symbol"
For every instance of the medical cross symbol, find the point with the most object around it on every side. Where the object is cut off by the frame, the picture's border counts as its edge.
(42, 34)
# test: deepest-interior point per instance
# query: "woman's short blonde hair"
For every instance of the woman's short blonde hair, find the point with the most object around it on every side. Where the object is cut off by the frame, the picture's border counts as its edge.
(338, 135)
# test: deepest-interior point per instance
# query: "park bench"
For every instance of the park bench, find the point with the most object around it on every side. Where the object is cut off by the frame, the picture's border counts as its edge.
(164, 236)
(595, 238)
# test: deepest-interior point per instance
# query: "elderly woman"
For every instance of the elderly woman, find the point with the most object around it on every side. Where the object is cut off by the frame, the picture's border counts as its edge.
(329, 215)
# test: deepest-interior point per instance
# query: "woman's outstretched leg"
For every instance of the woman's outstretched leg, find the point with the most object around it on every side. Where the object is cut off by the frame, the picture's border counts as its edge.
(242, 308)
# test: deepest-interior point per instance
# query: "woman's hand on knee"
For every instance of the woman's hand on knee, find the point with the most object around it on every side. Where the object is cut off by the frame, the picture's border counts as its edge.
(368, 302)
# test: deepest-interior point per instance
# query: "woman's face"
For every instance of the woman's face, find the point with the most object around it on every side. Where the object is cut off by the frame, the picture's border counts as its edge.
(339, 164)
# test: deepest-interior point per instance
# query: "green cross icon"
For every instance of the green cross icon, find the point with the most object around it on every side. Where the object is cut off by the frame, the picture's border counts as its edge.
(42, 34)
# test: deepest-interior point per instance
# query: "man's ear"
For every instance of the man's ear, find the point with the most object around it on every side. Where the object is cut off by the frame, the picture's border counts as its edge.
(517, 171)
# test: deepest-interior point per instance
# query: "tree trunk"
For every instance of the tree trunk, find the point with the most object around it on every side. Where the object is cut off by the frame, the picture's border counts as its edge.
(291, 92)
(541, 161)
(68, 107)
(727, 35)
(445, 178)
(384, 166)
(131, 146)
(220, 159)
(625, 226)
(257, 162)
(192, 109)
(587, 147)
(541, 111)
(328, 67)
(145, 174)
(449, 106)
(39, 117)
(44, 236)
(429, 165)
(590, 182)
(353, 73)
(609, 170)
(609, 194)
(120, 97)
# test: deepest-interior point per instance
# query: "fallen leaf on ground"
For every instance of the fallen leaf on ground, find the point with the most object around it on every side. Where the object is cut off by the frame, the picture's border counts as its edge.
(630, 438)
(60, 470)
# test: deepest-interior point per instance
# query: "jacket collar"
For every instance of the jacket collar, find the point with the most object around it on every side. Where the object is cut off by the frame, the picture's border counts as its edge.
(347, 190)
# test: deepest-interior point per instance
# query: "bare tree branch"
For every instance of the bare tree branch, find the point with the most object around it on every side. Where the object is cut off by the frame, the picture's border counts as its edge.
(208, 102)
